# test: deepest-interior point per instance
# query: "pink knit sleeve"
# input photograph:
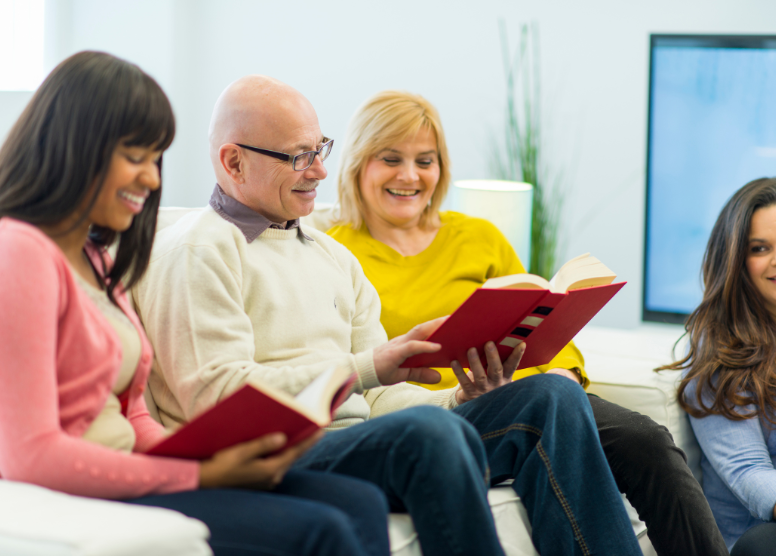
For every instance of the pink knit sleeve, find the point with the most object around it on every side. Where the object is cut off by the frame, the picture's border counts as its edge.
(33, 446)
(148, 432)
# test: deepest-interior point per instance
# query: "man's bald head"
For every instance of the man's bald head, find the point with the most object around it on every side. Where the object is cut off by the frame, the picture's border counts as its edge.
(252, 109)
(263, 112)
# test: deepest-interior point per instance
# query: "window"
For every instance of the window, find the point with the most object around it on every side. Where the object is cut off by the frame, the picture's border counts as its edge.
(21, 44)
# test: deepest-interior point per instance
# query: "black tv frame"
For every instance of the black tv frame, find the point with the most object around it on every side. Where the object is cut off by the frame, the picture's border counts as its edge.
(702, 41)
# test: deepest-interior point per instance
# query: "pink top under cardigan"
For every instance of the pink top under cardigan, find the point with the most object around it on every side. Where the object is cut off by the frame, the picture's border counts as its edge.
(59, 358)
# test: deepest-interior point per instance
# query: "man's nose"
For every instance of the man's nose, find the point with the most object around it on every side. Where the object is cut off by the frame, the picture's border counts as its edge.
(316, 170)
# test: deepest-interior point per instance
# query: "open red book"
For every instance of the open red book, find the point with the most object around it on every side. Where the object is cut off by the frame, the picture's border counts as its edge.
(523, 307)
(257, 409)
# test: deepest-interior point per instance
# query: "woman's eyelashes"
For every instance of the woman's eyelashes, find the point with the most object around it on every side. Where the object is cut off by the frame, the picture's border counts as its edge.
(141, 157)
(758, 248)
(423, 163)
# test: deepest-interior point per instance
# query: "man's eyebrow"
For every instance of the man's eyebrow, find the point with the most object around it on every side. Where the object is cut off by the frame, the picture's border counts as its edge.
(305, 146)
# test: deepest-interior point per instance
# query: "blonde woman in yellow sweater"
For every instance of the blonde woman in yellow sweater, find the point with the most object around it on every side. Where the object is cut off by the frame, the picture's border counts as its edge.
(394, 174)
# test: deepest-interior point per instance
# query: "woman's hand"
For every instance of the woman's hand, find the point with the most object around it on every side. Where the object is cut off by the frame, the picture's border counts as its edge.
(243, 464)
(389, 356)
(477, 381)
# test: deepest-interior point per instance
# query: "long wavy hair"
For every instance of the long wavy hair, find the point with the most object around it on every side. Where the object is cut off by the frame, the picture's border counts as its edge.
(732, 355)
(387, 118)
(57, 154)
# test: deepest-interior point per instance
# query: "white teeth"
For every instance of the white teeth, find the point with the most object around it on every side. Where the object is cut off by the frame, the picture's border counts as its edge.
(137, 199)
(404, 192)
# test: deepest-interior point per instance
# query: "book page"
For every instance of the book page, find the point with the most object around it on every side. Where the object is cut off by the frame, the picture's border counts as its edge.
(517, 281)
(584, 271)
(319, 395)
(310, 396)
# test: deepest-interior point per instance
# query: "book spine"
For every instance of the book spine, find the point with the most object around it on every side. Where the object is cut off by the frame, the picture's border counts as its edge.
(520, 331)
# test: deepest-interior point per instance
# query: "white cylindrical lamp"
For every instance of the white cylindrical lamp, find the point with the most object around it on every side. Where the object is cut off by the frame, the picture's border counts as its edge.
(507, 204)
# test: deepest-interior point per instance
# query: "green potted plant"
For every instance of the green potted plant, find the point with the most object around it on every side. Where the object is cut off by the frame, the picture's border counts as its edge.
(517, 156)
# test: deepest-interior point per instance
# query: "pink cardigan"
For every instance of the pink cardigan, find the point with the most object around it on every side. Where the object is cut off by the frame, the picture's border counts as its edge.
(59, 358)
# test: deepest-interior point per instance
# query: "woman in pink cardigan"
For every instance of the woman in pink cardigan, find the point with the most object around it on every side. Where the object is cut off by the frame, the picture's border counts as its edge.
(80, 170)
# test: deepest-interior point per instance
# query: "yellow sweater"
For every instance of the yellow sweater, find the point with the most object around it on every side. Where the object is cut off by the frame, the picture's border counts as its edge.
(466, 252)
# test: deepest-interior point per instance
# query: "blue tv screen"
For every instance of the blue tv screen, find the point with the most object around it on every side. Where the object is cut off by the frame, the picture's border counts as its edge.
(712, 128)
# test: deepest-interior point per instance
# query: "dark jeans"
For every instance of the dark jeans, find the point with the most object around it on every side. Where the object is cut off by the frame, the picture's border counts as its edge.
(307, 514)
(431, 464)
(540, 431)
(653, 474)
(760, 540)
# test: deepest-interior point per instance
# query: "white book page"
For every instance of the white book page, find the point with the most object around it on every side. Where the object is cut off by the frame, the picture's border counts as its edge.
(581, 272)
(311, 396)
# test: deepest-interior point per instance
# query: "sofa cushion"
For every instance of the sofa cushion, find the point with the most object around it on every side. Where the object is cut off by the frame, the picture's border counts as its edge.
(35, 520)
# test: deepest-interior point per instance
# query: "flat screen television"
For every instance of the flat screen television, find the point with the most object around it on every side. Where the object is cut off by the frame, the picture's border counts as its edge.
(712, 128)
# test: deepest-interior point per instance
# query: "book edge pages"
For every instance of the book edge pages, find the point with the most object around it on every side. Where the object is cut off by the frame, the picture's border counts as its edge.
(512, 281)
(338, 376)
(602, 276)
(286, 399)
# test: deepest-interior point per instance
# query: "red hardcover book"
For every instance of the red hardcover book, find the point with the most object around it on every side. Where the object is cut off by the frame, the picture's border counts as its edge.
(256, 410)
(523, 307)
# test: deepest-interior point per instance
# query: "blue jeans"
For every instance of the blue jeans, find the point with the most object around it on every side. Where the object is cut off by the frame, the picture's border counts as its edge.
(308, 514)
(540, 432)
(430, 463)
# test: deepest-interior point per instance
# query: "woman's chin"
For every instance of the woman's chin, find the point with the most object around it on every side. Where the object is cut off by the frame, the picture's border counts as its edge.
(403, 219)
(118, 225)
(405, 212)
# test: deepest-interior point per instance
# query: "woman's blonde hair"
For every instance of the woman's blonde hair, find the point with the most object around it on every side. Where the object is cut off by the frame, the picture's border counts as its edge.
(387, 118)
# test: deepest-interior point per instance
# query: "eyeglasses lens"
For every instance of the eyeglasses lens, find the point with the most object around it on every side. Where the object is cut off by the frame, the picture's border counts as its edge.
(326, 150)
(303, 161)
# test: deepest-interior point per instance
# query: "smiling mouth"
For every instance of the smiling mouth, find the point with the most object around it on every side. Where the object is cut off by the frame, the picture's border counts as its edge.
(403, 192)
(305, 188)
(132, 197)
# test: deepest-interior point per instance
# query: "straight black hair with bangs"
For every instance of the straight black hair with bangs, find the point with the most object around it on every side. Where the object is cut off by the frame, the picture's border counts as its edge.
(57, 154)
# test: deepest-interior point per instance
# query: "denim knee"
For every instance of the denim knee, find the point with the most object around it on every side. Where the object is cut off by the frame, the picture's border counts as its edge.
(554, 388)
(547, 391)
(447, 432)
(328, 530)
(370, 497)
(431, 422)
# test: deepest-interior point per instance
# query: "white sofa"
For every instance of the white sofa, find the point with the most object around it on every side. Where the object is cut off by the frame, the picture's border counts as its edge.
(619, 362)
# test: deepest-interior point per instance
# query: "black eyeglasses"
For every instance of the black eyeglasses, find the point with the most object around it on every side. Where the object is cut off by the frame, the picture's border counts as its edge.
(300, 161)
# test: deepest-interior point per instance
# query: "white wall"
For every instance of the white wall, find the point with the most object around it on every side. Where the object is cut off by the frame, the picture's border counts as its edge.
(11, 105)
(594, 57)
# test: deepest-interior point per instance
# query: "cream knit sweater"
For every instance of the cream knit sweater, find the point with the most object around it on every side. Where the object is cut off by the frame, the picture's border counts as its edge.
(280, 310)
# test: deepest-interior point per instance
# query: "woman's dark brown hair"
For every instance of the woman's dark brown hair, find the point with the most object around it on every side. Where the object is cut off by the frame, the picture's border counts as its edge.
(55, 158)
(732, 356)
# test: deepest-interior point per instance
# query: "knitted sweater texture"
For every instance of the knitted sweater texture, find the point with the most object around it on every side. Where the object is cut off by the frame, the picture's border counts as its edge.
(280, 310)
(59, 358)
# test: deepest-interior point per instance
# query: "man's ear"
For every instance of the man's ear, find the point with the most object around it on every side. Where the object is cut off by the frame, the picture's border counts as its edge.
(231, 160)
